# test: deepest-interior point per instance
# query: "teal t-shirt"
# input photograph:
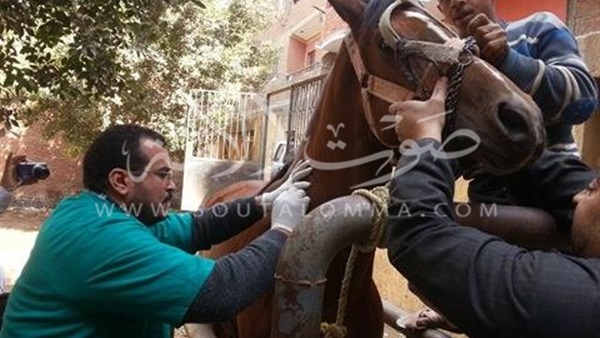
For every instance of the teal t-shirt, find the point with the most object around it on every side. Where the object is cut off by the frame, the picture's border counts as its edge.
(96, 271)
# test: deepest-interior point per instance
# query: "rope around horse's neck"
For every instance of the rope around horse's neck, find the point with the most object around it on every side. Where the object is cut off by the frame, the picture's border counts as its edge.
(379, 196)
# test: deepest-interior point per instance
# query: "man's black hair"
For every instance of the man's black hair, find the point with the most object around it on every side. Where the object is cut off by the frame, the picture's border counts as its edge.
(116, 147)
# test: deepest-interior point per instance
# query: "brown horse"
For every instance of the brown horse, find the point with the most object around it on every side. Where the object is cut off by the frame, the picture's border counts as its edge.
(349, 139)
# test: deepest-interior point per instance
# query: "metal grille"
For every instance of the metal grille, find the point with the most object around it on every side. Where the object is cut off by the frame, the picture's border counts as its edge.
(301, 100)
(221, 125)
(304, 98)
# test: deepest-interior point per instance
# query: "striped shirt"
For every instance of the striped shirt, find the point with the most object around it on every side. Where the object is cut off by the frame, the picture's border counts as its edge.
(544, 61)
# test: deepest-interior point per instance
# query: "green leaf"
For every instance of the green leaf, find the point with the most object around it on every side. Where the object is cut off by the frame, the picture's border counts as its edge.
(87, 54)
(9, 80)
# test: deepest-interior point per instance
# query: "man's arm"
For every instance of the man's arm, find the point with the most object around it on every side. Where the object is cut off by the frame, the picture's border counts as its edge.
(9, 180)
(252, 267)
(550, 184)
(200, 230)
(223, 221)
(485, 286)
(239, 278)
(5, 198)
(544, 61)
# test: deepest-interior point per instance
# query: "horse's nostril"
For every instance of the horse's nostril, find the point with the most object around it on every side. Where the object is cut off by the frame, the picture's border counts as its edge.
(511, 120)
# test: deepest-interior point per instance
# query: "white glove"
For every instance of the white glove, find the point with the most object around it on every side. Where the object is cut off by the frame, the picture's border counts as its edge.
(298, 172)
(289, 209)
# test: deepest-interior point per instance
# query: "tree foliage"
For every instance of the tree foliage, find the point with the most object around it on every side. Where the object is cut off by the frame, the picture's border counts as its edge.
(81, 65)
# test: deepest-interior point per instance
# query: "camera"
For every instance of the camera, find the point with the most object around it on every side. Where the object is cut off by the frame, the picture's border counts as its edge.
(31, 171)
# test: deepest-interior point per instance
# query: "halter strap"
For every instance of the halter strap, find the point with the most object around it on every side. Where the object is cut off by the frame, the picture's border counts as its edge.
(455, 52)
(439, 52)
(374, 86)
(386, 90)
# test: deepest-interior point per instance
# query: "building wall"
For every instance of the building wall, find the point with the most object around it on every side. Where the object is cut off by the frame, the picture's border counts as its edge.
(280, 32)
(587, 17)
(311, 47)
(517, 9)
(296, 55)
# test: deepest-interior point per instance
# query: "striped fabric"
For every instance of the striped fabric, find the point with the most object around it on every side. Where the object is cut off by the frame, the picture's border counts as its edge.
(544, 61)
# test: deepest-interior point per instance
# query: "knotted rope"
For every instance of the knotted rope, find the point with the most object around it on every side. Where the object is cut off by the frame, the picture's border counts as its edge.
(379, 197)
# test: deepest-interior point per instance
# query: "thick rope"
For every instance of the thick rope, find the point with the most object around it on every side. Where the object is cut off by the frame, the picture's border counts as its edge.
(379, 196)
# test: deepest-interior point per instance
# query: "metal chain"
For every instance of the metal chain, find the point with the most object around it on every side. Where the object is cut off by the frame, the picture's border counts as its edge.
(456, 71)
(454, 86)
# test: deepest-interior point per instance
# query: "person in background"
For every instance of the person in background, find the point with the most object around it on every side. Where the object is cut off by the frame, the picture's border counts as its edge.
(9, 180)
(113, 261)
(8, 183)
(483, 285)
(541, 56)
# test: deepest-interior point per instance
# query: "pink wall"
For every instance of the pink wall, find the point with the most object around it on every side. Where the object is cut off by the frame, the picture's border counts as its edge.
(517, 9)
(295, 56)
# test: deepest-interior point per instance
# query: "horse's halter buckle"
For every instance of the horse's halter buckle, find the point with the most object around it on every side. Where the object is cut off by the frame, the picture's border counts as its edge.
(457, 55)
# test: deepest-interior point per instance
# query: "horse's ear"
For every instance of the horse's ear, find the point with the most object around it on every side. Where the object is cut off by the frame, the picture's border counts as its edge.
(350, 11)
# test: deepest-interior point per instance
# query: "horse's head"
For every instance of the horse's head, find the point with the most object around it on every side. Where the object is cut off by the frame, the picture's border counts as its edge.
(402, 50)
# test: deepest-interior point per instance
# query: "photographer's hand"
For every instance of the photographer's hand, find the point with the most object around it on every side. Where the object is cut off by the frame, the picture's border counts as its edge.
(9, 180)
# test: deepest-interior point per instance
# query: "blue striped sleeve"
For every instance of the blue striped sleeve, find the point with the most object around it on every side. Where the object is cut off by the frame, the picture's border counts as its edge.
(544, 61)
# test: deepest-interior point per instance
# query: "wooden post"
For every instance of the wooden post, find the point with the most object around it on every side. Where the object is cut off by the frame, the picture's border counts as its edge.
(571, 15)
(589, 44)
(590, 150)
(588, 37)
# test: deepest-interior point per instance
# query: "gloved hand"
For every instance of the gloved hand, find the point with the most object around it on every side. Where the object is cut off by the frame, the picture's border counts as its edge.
(289, 209)
(298, 172)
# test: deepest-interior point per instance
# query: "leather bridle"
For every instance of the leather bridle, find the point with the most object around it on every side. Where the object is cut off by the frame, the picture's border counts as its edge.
(457, 56)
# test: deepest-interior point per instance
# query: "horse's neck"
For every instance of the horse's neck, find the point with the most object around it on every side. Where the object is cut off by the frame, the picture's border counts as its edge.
(339, 134)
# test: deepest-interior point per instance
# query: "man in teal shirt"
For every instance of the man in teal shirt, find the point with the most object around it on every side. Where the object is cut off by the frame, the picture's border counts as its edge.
(112, 262)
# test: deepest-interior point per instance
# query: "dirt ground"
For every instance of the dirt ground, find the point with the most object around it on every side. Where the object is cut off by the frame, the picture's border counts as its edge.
(18, 229)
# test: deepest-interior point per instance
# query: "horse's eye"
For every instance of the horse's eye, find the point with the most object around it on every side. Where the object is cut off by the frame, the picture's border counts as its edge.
(384, 46)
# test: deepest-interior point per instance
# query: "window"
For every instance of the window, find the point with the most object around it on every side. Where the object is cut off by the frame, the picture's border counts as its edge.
(310, 57)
